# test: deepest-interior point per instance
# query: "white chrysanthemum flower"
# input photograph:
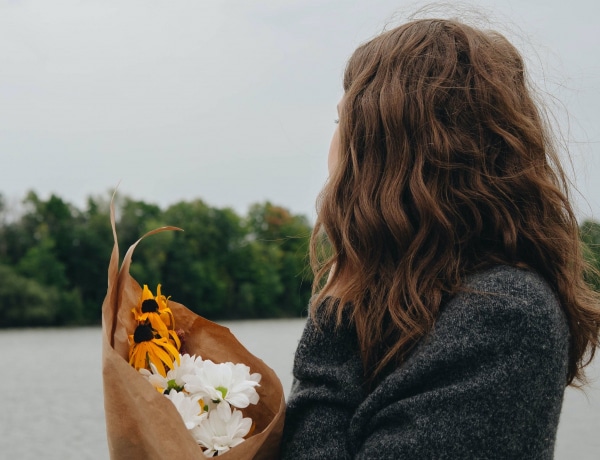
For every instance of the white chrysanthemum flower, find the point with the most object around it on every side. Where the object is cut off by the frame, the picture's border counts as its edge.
(189, 407)
(174, 379)
(224, 382)
(223, 429)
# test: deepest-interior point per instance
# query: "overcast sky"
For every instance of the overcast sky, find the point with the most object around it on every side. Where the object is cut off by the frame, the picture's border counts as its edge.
(231, 101)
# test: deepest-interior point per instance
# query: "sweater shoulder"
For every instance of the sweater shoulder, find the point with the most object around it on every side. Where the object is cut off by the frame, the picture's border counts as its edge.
(486, 382)
(504, 279)
(507, 290)
(502, 308)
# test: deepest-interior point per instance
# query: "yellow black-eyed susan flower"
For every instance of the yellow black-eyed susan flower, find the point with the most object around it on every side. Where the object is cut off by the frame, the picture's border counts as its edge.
(156, 311)
(148, 347)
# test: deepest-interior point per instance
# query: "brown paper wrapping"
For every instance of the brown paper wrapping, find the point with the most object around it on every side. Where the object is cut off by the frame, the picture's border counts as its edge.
(143, 424)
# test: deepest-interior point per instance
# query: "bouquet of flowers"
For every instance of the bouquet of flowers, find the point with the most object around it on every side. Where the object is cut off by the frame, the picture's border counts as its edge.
(196, 410)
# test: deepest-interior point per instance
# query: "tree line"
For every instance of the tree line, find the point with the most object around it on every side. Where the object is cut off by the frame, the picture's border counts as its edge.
(54, 259)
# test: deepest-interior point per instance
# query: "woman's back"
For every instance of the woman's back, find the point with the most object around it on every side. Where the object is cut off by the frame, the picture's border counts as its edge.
(487, 382)
(455, 308)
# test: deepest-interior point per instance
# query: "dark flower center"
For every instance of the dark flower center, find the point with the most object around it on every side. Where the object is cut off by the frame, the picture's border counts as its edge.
(143, 333)
(149, 306)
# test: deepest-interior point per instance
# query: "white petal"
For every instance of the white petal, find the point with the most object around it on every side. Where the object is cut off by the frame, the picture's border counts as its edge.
(238, 400)
(224, 411)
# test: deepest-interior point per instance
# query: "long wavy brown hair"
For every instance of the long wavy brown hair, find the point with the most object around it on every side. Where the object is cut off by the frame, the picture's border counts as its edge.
(446, 166)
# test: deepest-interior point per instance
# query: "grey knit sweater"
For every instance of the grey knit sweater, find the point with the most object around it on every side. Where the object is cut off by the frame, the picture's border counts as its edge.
(486, 383)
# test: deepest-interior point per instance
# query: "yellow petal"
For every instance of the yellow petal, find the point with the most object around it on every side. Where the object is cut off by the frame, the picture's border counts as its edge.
(158, 356)
(146, 294)
(173, 351)
(138, 315)
(167, 317)
(138, 356)
(176, 342)
(158, 325)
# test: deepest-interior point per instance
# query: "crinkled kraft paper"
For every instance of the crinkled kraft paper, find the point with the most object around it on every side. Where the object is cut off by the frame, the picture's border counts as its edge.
(143, 424)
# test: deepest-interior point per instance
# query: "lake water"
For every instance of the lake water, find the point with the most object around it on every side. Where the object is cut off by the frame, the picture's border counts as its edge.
(51, 392)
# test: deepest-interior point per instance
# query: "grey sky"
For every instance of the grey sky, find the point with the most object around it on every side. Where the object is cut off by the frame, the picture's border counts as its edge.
(230, 101)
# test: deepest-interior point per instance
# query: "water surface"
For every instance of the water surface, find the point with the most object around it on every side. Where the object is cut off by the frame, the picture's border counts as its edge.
(51, 392)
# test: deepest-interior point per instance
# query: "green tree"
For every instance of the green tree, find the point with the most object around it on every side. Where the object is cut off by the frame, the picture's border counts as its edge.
(256, 269)
(90, 253)
(54, 257)
(590, 237)
(41, 264)
(26, 302)
(276, 226)
(196, 267)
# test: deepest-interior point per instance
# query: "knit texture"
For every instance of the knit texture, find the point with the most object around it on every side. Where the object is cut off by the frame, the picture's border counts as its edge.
(486, 383)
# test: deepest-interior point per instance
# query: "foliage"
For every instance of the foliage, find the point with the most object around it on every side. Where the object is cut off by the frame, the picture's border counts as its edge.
(590, 237)
(26, 302)
(54, 257)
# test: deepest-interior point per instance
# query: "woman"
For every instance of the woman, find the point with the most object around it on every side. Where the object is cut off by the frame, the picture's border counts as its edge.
(455, 310)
